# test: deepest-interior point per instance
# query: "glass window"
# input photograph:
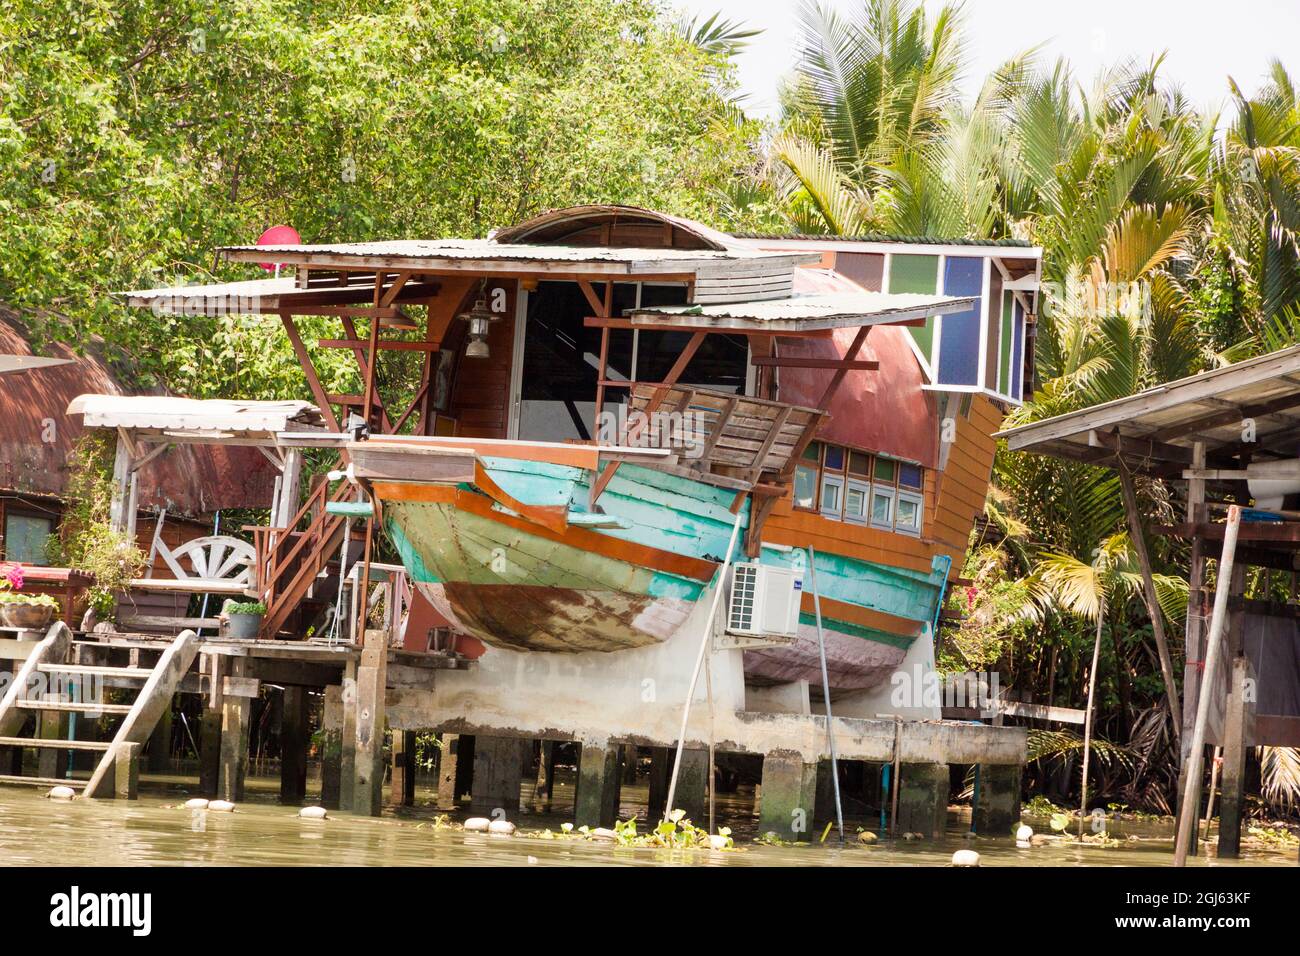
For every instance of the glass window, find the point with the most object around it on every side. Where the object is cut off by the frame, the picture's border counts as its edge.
(805, 487)
(856, 496)
(907, 519)
(882, 508)
(909, 476)
(813, 452)
(26, 538)
(885, 470)
(832, 495)
(860, 463)
(834, 458)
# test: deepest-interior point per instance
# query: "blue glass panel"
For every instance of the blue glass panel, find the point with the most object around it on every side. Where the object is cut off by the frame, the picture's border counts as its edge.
(959, 340)
(835, 457)
(909, 476)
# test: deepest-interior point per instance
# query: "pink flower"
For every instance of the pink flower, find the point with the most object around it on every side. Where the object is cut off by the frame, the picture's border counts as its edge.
(970, 596)
(13, 574)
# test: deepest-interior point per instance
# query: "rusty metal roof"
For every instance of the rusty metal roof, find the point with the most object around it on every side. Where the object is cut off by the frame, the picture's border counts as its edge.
(39, 436)
(182, 419)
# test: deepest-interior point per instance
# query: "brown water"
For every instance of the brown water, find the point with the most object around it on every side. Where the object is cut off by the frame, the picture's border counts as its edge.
(156, 830)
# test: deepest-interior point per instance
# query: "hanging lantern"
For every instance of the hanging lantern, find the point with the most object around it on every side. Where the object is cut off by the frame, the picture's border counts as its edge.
(480, 319)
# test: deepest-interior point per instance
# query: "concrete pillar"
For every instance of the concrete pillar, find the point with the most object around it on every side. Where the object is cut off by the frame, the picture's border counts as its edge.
(923, 799)
(53, 725)
(596, 803)
(348, 736)
(331, 768)
(209, 751)
(997, 811)
(498, 771)
(661, 768)
(401, 791)
(545, 790)
(160, 744)
(692, 786)
(449, 744)
(1233, 780)
(236, 714)
(789, 795)
(294, 741)
(368, 770)
(126, 772)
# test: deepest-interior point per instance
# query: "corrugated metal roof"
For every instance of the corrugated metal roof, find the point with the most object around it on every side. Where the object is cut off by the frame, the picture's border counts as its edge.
(39, 437)
(188, 414)
(804, 312)
(887, 237)
(1158, 427)
(430, 251)
(25, 363)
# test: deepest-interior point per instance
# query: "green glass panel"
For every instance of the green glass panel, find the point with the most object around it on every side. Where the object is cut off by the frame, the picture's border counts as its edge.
(916, 274)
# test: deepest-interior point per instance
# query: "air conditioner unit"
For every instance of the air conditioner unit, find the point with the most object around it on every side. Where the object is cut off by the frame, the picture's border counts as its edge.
(764, 601)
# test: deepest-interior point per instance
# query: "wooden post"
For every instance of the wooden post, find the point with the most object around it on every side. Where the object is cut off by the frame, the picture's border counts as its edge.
(368, 770)
(121, 484)
(1234, 761)
(1195, 628)
(1192, 786)
(402, 788)
(545, 778)
(209, 751)
(1138, 538)
(596, 800)
(294, 741)
(236, 714)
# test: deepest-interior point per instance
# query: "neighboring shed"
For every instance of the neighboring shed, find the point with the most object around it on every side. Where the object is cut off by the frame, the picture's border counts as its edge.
(39, 437)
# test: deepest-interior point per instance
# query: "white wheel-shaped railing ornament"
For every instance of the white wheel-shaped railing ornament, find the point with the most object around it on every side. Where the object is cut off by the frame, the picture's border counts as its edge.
(213, 558)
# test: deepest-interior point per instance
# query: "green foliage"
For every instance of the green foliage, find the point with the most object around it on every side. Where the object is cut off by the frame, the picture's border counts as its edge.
(245, 607)
(18, 597)
(85, 540)
(138, 137)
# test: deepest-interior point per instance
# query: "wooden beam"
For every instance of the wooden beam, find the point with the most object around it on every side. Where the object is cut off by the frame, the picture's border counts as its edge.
(384, 345)
(777, 361)
(858, 341)
(1138, 538)
(309, 369)
(392, 292)
(1279, 533)
(1217, 420)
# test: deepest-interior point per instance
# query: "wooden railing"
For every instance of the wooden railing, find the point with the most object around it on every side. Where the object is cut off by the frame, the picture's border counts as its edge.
(289, 560)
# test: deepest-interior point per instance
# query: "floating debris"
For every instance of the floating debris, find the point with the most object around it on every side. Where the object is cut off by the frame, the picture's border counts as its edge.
(965, 858)
(198, 803)
(61, 793)
(221, 806)
(313, 813)
(477, 825)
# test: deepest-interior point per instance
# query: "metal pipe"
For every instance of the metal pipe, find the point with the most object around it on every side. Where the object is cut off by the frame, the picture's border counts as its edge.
(699, 658)
(826, 688)
(1196, 756)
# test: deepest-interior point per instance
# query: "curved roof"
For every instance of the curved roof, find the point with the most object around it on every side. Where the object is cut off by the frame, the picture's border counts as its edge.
(628, 226)
(885, 410)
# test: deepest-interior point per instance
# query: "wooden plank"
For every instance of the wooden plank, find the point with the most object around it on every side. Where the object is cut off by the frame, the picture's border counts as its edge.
(777, 361)
(384, 345)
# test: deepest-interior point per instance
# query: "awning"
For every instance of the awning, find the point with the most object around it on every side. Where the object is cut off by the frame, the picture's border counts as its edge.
(180, 419)
(24, 363)
(802, 313)
(1250, 406)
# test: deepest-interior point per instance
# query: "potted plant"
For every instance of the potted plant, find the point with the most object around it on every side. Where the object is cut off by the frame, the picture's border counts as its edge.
(28, 611)
(243, 619)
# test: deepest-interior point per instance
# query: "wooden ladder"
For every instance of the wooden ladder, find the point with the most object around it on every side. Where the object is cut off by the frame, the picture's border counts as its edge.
(116, 772)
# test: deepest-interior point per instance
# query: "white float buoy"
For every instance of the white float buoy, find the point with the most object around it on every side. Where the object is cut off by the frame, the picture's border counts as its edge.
(1024, 833)
(477, 825)
(717, 842)
(965, 858)
(61, 793)
(866, 836)
(501, 828)
(603, 833)
(198, 803)
(221, 806)
(313, 813)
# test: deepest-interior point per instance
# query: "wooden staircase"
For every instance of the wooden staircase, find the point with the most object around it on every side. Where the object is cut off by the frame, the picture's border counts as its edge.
(115, 774)
(290, 561)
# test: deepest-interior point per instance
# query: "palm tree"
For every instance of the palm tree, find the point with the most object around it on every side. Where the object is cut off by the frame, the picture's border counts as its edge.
(1086, 590)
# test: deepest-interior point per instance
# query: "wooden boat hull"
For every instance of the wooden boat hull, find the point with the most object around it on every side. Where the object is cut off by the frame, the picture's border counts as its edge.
(513, 583)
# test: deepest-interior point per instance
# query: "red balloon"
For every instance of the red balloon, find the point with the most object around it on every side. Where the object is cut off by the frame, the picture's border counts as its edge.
(278, 236)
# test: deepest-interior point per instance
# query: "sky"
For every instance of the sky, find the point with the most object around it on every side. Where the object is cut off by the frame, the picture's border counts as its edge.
(1206, 41)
